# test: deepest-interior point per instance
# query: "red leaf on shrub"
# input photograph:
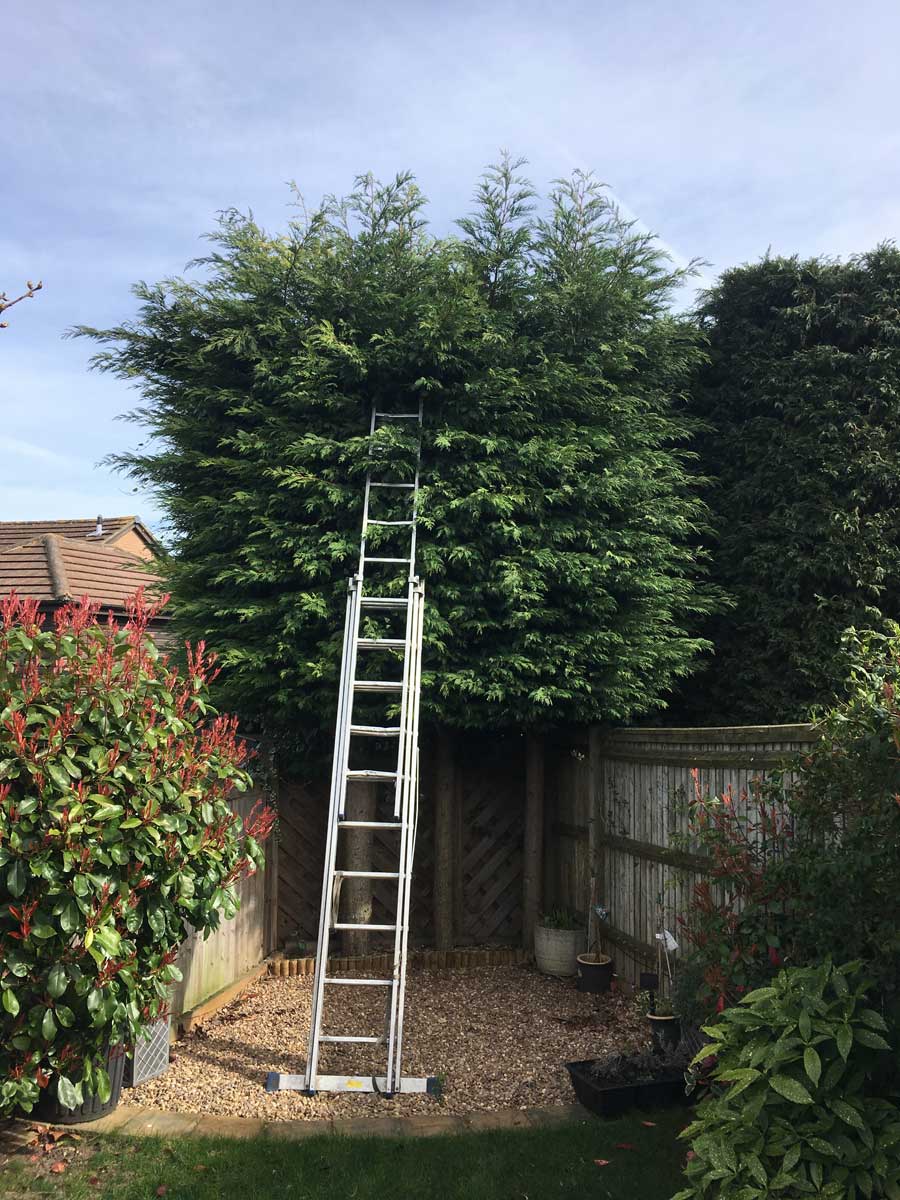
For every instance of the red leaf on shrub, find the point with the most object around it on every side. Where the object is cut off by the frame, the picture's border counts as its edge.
(601, 1162)
(649, 1124)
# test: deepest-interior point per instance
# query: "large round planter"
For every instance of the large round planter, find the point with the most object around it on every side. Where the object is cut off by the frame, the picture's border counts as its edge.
(49, 1109)
(665, 1031)
(595, 972)
(556, 950)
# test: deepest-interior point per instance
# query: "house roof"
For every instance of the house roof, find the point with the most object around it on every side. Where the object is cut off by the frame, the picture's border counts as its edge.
(53, 569)
(15, 533)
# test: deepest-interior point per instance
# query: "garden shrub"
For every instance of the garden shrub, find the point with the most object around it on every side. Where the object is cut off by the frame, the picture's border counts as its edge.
(735, 924)
(815, 870)
(792, 1108)
(115, 834)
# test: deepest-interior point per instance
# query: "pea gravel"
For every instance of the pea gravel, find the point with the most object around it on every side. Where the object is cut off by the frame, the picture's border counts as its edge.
(496, 1036)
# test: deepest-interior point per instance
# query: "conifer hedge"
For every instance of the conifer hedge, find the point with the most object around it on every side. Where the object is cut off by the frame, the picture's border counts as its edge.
(801, 396)
(559, 517)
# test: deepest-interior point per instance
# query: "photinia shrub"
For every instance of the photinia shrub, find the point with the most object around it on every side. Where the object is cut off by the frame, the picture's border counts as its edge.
(811, 870)
(735, 925)
(794, 1108)
(115, 834)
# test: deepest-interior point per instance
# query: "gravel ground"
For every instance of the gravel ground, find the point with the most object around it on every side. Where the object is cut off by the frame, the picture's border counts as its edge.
(497, 1037)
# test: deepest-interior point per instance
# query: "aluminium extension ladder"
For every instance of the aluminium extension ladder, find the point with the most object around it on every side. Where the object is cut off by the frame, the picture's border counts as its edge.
(405, 781)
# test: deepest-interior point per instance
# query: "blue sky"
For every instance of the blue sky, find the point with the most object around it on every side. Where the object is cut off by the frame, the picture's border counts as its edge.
(726, 128)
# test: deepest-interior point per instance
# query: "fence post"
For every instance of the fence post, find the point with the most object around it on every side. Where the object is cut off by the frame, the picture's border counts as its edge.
(532, 850)
(444, 791)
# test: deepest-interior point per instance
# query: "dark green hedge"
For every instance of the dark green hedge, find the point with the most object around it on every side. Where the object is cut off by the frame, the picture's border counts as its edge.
(802, 394)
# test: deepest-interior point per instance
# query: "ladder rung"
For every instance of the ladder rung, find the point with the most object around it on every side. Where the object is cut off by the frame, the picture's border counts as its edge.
(378, 685)
(376, 730)
(334, 1037)
(372, 928)
(371, 521)
(381, 643)
(368, 874)
(383, 601)
(375, 776)
(398, 416)
(372, 483)
(370, 824)
(391, 560)
(361, 982)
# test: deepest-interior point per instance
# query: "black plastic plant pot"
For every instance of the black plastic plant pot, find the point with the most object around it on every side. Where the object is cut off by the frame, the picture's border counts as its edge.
(665, 1032)
(614, 1099)
(595, 975)
(49, 1109)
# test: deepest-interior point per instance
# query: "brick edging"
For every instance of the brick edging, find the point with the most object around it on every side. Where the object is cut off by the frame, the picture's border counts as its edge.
(504, 956)
(134, 1120)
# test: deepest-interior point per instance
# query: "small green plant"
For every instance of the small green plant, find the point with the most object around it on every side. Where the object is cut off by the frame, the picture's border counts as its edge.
(562, 918)
(792, 1108)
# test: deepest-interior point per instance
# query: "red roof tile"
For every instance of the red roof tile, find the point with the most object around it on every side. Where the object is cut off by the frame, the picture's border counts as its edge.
(14, 533)
(53, 568)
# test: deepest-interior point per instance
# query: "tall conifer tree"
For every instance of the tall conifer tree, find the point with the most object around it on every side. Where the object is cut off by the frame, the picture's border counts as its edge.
(558, 514)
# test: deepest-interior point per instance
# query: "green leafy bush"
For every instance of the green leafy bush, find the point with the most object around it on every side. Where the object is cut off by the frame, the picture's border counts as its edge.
(115, 832)
(792, 1108)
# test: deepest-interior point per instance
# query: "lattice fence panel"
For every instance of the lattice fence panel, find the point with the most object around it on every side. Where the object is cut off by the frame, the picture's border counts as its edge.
(492, 797)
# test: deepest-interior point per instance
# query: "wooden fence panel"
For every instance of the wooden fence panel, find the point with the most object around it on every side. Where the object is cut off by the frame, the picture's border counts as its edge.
(211, 964)
(645, 860)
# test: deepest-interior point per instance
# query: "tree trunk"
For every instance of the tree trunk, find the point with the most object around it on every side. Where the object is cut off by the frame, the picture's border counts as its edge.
(533, 842)
(444, 791)
(356, 894)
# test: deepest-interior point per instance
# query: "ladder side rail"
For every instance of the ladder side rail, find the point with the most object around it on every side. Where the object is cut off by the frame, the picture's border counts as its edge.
(348, 710)
(415, 495)
(344, 694)
(401, 806)
(410, 826)
(366, 497)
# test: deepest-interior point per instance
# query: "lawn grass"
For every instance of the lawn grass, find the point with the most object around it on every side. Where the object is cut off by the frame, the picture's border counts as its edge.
(505, 1165)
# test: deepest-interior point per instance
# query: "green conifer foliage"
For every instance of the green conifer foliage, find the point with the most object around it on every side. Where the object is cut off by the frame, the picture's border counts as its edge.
(802, 394)
(558, 512)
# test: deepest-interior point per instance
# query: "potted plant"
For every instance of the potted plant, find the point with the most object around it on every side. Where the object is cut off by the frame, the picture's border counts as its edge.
(595, 969)
(557, 940)
(655, 999)
(665, 1026)
(611, 1085)
(116, 834)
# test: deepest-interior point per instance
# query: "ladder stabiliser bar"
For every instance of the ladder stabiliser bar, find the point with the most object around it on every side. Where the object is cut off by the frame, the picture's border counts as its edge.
(424, 1085)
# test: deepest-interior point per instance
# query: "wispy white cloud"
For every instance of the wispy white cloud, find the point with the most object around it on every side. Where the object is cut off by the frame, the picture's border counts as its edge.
(19, 448)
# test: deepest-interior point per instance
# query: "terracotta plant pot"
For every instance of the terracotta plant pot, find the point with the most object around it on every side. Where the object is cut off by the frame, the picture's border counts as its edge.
(595, 972)
(556, 950)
